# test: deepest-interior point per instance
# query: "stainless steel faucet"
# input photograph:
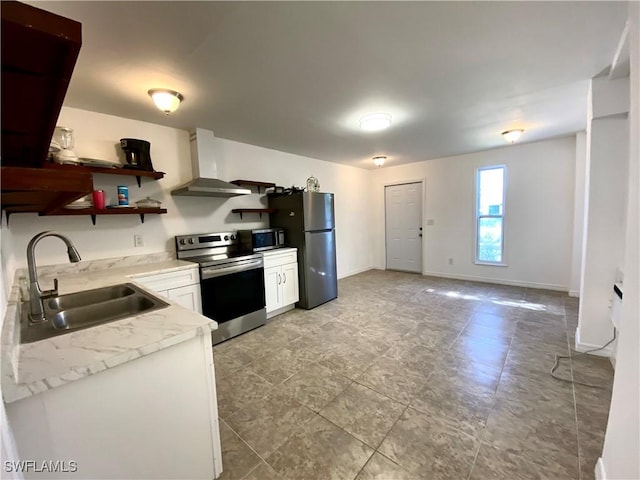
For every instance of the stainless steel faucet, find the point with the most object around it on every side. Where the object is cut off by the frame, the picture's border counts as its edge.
(36, 295)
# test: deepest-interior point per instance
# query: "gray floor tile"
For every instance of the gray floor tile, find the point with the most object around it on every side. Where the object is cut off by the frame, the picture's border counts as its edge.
(315, 386)
(411, 353)
(472, 358)
(267, 423)
(429, 447)
(475, 378)
(320, 450)
(532, 435)
(380, 467)
(263, 472)
(454, 404)
(493, 463)
(394, 379)
(236, 390)
(364, 413)
(486, 352)
(538, 387)
(278, 365)
(237, 458)
(490, 327)
(592, 370)
(226, 365)
(491, 313)
(349, 360)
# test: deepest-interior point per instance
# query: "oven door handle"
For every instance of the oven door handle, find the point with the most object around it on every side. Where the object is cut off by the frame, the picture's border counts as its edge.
(207, 273)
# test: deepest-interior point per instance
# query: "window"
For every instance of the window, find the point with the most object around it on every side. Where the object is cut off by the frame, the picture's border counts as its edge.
(490, 215)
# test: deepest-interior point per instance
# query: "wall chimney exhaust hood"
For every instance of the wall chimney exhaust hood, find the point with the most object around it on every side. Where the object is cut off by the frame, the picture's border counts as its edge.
(205, 171)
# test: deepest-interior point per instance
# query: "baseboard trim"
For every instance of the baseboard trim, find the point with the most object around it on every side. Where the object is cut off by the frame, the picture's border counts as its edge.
(581, 346)
(471, 278)
(499, 281)
(356, 272)
(600, 472)
(574, 293)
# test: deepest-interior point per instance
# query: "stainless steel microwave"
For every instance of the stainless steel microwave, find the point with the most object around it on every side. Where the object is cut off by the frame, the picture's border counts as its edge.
(261, 239)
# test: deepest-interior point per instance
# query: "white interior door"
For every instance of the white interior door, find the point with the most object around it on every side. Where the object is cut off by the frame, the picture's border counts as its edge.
(403, 212)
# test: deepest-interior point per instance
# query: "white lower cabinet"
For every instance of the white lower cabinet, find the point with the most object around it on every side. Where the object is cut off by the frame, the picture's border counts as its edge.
(152, 417)
(280, 280)
(181, 287)
(188, 297)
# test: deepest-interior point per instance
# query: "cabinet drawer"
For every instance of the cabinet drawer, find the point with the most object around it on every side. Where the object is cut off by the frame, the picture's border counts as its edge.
(280, 259)
(165, 281)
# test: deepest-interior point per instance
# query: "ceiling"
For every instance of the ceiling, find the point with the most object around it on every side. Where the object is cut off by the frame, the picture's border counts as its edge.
(297, 76)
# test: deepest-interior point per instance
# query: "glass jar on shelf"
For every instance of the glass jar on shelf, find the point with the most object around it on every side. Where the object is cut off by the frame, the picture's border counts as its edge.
(313, 185)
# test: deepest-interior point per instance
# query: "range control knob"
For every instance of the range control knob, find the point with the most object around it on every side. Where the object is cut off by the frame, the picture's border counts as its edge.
(226, 237)
(182, 242)
(191, 241)
(233, 237)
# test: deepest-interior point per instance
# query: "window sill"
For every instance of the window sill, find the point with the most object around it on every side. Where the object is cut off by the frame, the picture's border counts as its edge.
(491, 264)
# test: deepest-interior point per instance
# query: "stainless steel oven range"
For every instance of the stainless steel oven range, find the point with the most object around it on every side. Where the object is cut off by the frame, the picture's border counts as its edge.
(231, 281)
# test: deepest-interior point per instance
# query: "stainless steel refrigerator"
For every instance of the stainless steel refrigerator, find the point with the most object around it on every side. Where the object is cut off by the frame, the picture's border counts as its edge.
(309, 223)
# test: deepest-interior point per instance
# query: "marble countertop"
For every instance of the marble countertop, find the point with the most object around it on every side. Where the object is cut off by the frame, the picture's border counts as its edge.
(28, 369)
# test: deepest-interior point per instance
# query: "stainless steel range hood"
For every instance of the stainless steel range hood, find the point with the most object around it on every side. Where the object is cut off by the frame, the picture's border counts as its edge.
(205, 171)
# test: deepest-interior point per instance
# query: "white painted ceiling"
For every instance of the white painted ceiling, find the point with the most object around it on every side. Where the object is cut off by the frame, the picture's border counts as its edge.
(297, 76)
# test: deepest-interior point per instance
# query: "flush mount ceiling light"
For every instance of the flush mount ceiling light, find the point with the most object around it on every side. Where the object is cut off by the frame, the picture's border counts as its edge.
(512, 136)
(166, 100)
(379, 161)
(375, 122)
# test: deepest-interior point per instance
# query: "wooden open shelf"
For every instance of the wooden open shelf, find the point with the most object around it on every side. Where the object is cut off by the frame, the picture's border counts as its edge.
(36, 190)
(108, 211)
(253, 183)
(107, 171)
(46, 190)
(254, 210)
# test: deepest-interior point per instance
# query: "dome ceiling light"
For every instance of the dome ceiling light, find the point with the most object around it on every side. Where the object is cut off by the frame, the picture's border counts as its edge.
(166, 100)
(512, 136)
(375, 122)
(379, 160)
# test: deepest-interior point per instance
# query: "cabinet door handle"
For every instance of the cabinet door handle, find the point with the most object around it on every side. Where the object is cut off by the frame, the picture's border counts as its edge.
(284, 275)
(279, 279)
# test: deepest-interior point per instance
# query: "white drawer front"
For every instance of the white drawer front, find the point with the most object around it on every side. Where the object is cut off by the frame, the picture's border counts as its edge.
(281, 259)
(165, 281)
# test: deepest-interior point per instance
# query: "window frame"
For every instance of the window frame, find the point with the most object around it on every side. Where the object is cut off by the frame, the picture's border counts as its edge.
(478, 217)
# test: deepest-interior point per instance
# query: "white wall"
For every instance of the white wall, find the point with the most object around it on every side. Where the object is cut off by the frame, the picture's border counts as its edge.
(578, 213)
(621, 455)
(97, 136)
(606, 177)
(538, 213)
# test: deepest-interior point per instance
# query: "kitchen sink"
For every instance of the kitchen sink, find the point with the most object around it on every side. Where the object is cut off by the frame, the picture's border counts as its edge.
(90, 297)
(76, 311)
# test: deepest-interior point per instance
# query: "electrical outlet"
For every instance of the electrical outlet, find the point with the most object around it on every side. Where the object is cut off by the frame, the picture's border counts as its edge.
(451, 261)
(138, 241)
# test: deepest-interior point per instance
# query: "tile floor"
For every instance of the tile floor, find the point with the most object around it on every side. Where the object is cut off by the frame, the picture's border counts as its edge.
(407, 377)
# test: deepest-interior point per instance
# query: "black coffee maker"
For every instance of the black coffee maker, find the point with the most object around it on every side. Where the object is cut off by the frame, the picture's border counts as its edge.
(137, 153)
